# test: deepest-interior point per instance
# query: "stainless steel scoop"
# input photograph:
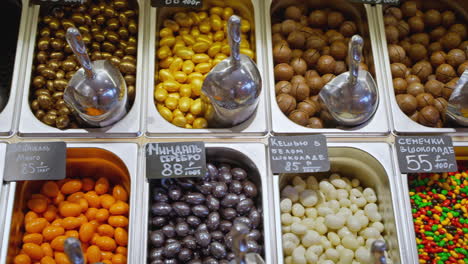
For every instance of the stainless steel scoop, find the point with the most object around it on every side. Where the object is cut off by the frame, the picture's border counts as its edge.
(72, 248)
(378, 249)
(457, 108)
(233, 86)
(239, 233)
(351, 98)
(97, 92)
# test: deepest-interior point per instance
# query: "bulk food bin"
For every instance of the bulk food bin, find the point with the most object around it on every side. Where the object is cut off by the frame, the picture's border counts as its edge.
(14, 14)
(3, 198)
(30, 125)
(118, 162)
(256, 125)
(250, 157)
(365, 27)
(372, 164)
(461, 152)
(402, 124)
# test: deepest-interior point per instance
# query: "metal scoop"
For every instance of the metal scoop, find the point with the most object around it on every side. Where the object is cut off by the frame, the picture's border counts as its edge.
(457, 108)
(351, 98)
(239, 233)
(72, 248)
(233, 86)
(97, 92)
(378, 249)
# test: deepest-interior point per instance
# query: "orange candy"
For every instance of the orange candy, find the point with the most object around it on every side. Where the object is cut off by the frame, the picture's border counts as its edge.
(91, 213)
(61, 258)
(71, 186)
(120, 193)
(48, 260)
(57, 243)
(121, 250)
(22, 259)
(106, 256)
(51, 232)
(93, 199)
(37, 205)
(118, 221)
(47, 249)
(68, 209)
(72, 233)
(102, 215)
(93, 253)
(88, 184)
(83, 204)
(106, 243)
(51, 213)
(121, 236)
(86, 232)
(106, 230)
(119, 259)
(36, 225)
(33, 238)
(34, 251)
(50, 189)
(119, 208)
(107, 201)
(75, 197)
(71, 223)
(102, 186)
(30, 216)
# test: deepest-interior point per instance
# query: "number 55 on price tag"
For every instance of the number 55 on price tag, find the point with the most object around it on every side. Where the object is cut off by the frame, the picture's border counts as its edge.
(175, 160)
(426, 154)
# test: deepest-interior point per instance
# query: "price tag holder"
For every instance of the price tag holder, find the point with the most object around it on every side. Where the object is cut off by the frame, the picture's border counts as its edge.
(177, 3)
(299, 154)
(58, 2)
(175, 160)
(377, 2)
(35, 161)
(426, 154)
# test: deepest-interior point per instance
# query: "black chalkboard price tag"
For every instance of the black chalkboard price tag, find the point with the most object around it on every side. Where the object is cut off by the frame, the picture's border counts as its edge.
(377, 2)
(175, 160)
(299, 154)
(58, 2)
(177, 3)
(425, 154)
(35, 161)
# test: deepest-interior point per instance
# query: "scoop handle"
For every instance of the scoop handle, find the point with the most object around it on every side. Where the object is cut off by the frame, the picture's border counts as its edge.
(378, 249)
(72, 248)
(234, 35)
(355, 57)
(75, 40)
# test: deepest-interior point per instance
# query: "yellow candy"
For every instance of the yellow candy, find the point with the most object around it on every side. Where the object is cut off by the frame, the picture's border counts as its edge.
(160, 95)
(200, 123)
(171, 103)
(184, 104)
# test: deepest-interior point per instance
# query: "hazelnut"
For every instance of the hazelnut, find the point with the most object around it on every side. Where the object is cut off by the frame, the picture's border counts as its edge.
(339, 50)
(318, 18)
(438, 58)
(315, 84)
(432, 18)
(398, 70)
(296, 39)
(403, 28)
(327, 78)
(414, 116)
(424, 100)
(297, 53)
(277, 38)
(315, 122)
(435, 46)
(437, 33)
(311, 73)
(299, 117)
(394, 11)
(429, 116)
(451, 40)
(448, 18)
(416, 24)
(392, 34)
(441, 104)
(293, 12)
(434, 87)
(340, 67)
(422, 69)
(286, 103)
(276, 28)
(409, 8)
(412, 79)
(317, 42)
(299, 65)
(283, 87)
(445, 73)
(288, 26)
(407, 61)
(283, 72)
(304, 20)
(326, 64)
(334, 19)
(448, 88)
(456, 57)
(325, 51)
(407, 103)
(417, 52)
(460, 29)
(311, 56)
(464, 46)
(309, 107)
(348, 28)
(336, 36)
(281, 53)
(405, 44)
(298, 79)
(462, 68)
(390, 20)
(400, 85)
(301, 90)
(421, 38)
(431, 77)
(415, 88)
